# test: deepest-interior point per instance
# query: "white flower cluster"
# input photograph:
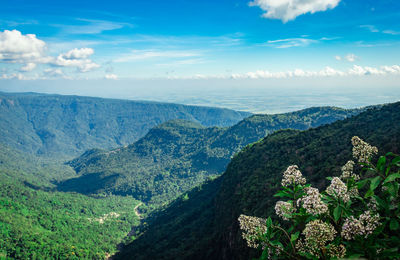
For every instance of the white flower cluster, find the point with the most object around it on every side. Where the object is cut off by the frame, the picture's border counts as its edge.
(335, 251)
(353, 192)
(347, 171)
(293, 176)
(252, 228)
(284, 209)
(363, 226)
(362, 151)
(317, 235)
(373, 204)
(312, 202)
(338, 190)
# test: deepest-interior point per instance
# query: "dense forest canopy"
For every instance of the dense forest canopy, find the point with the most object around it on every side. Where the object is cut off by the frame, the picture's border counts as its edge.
(164, 162)
(63, 126)
(178, 155)
(204, 225)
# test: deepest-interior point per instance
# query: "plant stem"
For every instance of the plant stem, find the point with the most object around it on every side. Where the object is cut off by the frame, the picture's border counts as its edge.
(287, 235)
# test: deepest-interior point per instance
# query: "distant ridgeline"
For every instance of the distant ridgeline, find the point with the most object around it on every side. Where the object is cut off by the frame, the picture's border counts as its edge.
(203, 223)
(178, 155)
(65, 126)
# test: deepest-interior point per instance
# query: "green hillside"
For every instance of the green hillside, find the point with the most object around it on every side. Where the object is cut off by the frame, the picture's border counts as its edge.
(178, 155)
(65, 126)
(203, 224)
(38, 223)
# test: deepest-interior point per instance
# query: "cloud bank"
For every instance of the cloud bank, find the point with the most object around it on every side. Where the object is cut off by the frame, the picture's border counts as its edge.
(326, 72)
(29, 51)
(287, 10)
(349, 57)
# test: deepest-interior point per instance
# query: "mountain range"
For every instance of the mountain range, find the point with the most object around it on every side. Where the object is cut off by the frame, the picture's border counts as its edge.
(178, 155)
(203, 224)
(56, 126)
(176, 176)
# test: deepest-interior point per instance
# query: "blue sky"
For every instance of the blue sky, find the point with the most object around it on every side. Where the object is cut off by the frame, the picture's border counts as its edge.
(187, 39)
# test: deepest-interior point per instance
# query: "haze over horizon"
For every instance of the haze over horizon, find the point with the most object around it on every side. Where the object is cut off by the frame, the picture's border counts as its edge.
(258, 56)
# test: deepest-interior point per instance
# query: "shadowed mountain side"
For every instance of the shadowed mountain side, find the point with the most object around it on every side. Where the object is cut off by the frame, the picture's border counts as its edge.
(248, 185)
(178, 155)
(65, 126)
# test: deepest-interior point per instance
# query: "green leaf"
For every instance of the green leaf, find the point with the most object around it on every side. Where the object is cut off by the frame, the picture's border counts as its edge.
(394, 224)
(375, 182)
(381, 202)
(393, 188)
(361, 184)
(336, 213)
(392, 252)
(282, 194)
(381, 163)
(269, 222)
(387, 170)
(380, 228)
(369, 194)
(265, 254)
(392, 177)
(294, 236)
(389, 154)
(396, 160)
(276, 243)
(357, 256)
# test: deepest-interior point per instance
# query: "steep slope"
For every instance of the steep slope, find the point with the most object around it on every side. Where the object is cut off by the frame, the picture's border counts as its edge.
(31, 169)
(178, 155)
(249, 182)
(55, 125)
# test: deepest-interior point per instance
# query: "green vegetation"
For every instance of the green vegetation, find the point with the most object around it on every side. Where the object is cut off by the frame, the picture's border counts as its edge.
(31, 169)
(42, 217)
(38, 223)
(206, 226)
(59, 127)
(357, 216)
(178, 155)
(35, 224)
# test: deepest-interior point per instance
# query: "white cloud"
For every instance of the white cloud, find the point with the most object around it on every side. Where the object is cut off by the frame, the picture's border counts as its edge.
(152, 54)
(111, 76)
(287, 10)
(373, 28)
(291, 42)
(392, 32)
(326, 72)
(330, 72)
(395, 69)
(77, 58)
(349, 57)
(18, 76)
(182, 62)
(18, 48)
(28, 50)
(369, 27)
(82, 53)
(361, 71)
(89, 26)
(28, 67)
(53, 73)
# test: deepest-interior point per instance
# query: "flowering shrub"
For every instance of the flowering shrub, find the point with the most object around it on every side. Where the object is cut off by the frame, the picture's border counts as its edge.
(357, 216)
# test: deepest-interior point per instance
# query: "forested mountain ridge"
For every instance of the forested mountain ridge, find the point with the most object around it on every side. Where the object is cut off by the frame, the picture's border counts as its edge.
(178, 155)
(204, 225)
(64, 126)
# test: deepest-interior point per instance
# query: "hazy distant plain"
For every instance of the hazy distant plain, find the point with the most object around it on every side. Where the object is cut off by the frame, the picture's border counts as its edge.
(251, 96)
